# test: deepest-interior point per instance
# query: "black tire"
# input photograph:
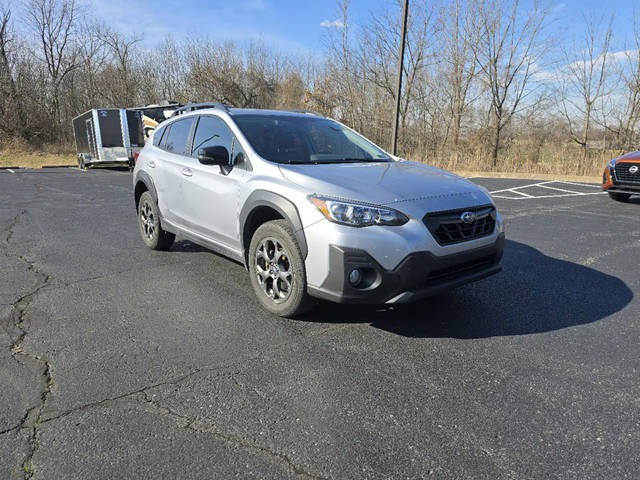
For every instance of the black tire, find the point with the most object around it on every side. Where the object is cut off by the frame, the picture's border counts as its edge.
(619, 197)
(151, 231)
(279, 293)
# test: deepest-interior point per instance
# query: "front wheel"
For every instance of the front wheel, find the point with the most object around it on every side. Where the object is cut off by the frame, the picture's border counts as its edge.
(151, 231)
(277, 271)
(619, 197)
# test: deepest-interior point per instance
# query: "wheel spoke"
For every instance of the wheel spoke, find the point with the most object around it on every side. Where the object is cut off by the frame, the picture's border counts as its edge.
(276, 290)
(286, 277)
(277, 252)
(262, 274)
(261, 254)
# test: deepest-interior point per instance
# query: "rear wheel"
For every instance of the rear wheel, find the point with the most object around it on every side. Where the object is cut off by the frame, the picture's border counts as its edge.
(277, 271)
(619, 197)
(151, 231)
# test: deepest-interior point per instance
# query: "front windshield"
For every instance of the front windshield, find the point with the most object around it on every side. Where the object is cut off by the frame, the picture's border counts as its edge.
(306, 140)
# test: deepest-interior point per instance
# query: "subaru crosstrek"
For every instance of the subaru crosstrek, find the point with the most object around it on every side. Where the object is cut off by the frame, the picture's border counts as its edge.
(621, 177)
(312, 209)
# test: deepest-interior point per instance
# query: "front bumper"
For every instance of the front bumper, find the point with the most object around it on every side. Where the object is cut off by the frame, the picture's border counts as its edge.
(417, 276)
(612, 185)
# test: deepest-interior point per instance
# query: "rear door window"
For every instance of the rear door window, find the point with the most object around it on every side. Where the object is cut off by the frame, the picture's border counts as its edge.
(177, 136)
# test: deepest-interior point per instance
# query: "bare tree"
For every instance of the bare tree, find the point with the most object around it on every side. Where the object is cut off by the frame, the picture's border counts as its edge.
(53, 21)
(510, 47)
(120, 79)
(459, 38)
(625, 112)
(8, 91)
(583, 80)
(379, 54)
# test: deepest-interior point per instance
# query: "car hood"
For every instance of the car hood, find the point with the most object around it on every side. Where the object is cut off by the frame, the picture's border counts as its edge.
(408, 186)
(630, 156)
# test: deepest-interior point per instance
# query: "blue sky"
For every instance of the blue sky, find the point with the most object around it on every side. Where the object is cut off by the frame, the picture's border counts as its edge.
(287, 25)
(295, 26)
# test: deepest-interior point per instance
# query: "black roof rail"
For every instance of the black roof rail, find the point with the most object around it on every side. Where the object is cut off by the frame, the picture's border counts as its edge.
(310, 112)
(198, 106)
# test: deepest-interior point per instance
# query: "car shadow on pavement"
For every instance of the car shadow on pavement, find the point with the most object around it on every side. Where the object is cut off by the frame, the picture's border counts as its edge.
(534, 293)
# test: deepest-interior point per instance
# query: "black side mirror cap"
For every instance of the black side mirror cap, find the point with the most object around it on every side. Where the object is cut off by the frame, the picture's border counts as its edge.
(217, 155)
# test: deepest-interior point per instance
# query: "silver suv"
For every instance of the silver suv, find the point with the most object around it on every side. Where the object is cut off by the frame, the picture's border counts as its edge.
(312, 209)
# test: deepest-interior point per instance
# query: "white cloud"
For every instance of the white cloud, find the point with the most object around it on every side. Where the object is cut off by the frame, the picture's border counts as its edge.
(552, 76)
(332, 24)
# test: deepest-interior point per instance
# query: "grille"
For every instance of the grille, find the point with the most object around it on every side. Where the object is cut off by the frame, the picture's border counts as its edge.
(448, 228)
(624, 176)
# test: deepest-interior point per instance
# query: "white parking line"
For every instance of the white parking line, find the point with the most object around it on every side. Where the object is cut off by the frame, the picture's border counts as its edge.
(579, 184)
(559, 189)
(525, 196)
(515, 189)
(9, 170)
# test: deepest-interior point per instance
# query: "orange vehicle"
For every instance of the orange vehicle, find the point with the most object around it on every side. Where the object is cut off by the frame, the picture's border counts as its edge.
(621, 178)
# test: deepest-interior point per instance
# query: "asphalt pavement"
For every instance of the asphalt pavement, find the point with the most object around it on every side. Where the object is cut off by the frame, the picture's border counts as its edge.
(117, 362)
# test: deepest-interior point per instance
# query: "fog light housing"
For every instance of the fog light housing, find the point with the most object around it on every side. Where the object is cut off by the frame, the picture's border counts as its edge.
(355, 277)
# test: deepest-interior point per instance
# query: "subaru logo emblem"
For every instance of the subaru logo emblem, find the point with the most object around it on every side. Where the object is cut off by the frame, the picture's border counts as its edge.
(468, 217)
(633, 169)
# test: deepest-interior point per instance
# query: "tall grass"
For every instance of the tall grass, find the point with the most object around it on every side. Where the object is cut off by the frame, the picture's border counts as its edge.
(522, 158)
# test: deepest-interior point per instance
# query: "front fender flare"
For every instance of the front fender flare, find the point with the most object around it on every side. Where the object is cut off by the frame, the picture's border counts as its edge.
(284, 206)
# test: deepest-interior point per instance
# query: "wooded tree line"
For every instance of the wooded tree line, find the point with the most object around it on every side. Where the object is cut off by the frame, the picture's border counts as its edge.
(485, 81)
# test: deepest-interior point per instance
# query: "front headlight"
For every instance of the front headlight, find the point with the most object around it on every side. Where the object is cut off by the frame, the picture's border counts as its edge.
(613, 162)
(356, 214)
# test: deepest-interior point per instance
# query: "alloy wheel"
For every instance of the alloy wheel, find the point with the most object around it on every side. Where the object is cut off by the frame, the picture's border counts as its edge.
(273, 269)
(147, 220)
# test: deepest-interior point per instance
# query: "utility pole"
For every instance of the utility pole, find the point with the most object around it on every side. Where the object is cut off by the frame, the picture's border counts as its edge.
(394, 140)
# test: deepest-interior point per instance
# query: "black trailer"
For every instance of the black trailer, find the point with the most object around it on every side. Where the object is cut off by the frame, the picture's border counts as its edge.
(108, 136)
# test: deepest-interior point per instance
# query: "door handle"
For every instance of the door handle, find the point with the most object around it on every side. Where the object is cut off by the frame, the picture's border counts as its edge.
(151, 164)
(186, 172)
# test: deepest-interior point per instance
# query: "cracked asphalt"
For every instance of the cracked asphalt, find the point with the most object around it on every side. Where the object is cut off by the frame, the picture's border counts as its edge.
(120, 362)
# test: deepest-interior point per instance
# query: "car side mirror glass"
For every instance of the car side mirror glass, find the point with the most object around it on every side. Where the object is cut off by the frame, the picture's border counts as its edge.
(217, 155)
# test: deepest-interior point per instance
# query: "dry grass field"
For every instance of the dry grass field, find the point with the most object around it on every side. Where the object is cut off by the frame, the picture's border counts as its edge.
(546, 162)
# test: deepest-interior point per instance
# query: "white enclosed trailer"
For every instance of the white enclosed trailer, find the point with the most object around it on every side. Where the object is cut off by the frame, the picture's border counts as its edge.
(108, 136)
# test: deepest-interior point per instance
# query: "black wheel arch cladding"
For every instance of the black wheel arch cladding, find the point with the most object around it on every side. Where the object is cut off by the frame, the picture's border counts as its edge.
(284, 207)
(145, 179)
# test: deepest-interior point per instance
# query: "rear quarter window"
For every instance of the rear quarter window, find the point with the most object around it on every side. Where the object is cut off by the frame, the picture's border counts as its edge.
(157, 136)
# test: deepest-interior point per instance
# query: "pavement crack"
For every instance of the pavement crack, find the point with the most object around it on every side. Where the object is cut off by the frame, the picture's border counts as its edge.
(192, 423)
(132, 394)
(12, 226)
(34, 440)
(15, 327)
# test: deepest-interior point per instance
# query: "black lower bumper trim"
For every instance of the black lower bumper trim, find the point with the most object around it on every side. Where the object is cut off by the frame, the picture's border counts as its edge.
(632, 190)
(419, 275)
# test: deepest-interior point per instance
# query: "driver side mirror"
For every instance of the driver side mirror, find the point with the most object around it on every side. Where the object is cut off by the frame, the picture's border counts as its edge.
(217, 155)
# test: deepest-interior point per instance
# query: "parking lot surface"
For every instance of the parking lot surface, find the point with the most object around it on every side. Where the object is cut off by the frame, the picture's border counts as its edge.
(121, 362)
